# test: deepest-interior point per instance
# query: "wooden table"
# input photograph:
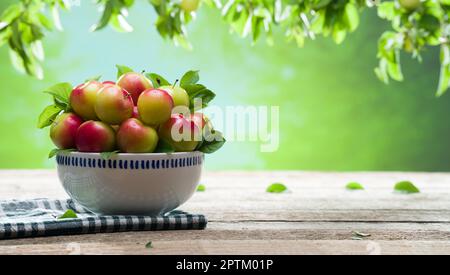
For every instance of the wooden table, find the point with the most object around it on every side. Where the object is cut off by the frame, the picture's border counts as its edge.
(316, 216)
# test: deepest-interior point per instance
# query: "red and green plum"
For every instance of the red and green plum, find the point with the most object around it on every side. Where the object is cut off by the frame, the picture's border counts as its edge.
(135, 84)
(95, 136)
(83, 97)
(135, 137)
(64, 129)
(181, 133)
(113, 105)
(155, 106)
(179, 95)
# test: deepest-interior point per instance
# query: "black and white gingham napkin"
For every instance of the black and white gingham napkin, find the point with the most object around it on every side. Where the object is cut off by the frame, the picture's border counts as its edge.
(34, 218)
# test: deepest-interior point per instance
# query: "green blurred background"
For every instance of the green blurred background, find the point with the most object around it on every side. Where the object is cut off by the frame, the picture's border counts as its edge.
(335, 114)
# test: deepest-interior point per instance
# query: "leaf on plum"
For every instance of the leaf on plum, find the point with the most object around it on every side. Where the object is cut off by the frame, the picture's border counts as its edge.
(203, 96)
(47, 116)
(56, 151)
(121, 70)
(60, 92)
(164, 147)
(108, 155)
(212, 143)
(189, 78)
(193, 88)
(94, 78)
(157, 80)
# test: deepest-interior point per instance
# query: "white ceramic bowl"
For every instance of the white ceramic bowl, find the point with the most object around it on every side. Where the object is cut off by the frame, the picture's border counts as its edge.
(130, 184)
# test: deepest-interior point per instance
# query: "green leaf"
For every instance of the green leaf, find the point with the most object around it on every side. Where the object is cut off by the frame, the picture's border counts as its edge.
(56, 151)
(11, 13)
(276, 188)
(212, 143)
(60, 92)
(94, 78)
(106, 17)
(189, 78)
(360, 234)
(257, 24)
(149, 245)
(45, 22)
(56, 18)
(120, 24)
(157, 80)
(394, 68)
(406, 187)
(351, 16)
(193, 88)
(181, 40)
(354, 186)
(444, 76)
(429, 22)
(339, 36)
(353, 238)
(69, 214)
(53, 153)
(108, 155)
(381, 71)
(164, 147)
(201, 188)
(204, 95)
(386, 10)
(121, 70)
(48, 115)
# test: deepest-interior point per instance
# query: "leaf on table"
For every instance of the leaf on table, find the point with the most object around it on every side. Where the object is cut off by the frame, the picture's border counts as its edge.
(356, 238)
(69, 214)
(354, 186)
(406, 187)
(276, 188)
(201, 188)
(149, 245)
(360, 234)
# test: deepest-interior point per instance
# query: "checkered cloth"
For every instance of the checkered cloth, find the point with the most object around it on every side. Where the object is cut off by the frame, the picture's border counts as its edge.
(33, 218)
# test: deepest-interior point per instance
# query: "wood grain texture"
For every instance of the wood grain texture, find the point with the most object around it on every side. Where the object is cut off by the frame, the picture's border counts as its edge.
(316, 216)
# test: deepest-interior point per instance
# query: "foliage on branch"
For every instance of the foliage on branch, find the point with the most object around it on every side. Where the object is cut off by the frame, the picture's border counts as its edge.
(416, 24)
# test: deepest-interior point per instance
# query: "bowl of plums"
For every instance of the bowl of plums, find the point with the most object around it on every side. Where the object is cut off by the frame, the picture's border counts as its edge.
(133, 146)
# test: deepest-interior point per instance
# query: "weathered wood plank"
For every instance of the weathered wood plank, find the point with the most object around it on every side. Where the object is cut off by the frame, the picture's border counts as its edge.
(317, 216)
(278, 230)
(255, 247)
